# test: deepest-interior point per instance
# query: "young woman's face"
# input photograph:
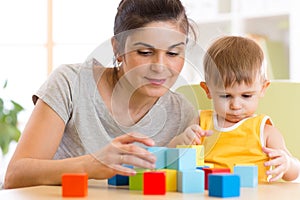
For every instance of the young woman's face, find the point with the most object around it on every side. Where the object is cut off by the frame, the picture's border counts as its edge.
(237, 102)
(154, 57)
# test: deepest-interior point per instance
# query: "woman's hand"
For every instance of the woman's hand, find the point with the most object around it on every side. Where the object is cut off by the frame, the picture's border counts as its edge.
(280, 160)
(122, 151)
(191, 136)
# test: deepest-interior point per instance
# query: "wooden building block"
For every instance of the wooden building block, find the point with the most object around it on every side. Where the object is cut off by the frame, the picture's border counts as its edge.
(199, 153)
(205, 165)
(248, 174)
(190, 181)
(154, 183)
(119, 180)
(181, 158)
(224, 185)
(136, 182)
(171, 179)
(208, 171)
(160, 153)
(75, 185)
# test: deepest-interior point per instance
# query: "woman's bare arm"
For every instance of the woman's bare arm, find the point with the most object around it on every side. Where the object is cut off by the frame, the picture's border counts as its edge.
(32, 162)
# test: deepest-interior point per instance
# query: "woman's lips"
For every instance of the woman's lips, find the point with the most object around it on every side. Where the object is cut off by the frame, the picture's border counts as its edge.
(154, 81)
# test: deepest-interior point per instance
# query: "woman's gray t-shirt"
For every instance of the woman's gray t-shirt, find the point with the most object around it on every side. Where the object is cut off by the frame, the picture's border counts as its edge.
(71, 91)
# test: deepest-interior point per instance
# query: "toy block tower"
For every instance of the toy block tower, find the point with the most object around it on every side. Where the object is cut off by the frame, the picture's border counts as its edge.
(154, 183)
(181, 158)
(75, 185)
(248, 174)
(224, 185)
(208, 171)
(190, 181)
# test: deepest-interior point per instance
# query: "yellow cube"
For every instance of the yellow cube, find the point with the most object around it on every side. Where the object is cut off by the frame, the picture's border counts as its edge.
(171, 179)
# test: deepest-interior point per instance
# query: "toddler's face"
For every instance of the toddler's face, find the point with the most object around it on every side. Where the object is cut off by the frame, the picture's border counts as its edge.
(237, 102)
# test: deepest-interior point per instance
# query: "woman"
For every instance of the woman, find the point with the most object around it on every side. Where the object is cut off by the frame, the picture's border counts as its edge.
(92, 119)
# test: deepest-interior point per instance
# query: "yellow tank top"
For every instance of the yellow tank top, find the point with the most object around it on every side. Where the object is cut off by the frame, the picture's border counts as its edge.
(239, 144)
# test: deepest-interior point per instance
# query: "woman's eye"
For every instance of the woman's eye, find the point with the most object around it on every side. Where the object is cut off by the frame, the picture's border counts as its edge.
(144, 52)
(173, 53)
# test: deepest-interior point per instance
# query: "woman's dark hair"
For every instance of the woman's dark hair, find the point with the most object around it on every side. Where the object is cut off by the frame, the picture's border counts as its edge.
(133, 14)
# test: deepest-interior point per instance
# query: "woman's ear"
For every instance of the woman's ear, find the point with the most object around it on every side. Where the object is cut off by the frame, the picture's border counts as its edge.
(265, 85)
(206, 89)
(116, 49)
(114, 44)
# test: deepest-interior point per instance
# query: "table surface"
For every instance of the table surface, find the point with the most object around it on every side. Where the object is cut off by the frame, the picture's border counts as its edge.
(100, 190)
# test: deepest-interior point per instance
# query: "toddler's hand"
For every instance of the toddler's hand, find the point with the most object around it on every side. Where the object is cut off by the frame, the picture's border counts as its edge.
(280, 160)
(193, 135)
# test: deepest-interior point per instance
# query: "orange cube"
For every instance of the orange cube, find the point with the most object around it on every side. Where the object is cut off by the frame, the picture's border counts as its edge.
(74, 185)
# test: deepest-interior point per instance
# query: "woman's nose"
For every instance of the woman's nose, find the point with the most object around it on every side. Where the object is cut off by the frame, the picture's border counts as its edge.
(158, 64)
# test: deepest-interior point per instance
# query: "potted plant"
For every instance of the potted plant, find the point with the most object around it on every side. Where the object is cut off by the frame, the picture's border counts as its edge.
(9, 130)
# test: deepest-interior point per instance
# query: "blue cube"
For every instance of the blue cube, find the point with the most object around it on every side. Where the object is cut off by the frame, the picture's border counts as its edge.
(181, 158)
(160, 153)
(119, 180)
(248, 175)
(190, 181)
(224, 185)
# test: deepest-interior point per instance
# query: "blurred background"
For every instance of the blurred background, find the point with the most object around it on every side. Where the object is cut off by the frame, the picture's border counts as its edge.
(36, 36)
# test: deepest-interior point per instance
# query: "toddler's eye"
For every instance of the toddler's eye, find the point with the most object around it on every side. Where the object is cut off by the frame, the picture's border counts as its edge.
(247, 95)
(225, 96)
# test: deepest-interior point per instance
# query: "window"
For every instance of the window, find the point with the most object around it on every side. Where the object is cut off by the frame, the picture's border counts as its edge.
(38, 35)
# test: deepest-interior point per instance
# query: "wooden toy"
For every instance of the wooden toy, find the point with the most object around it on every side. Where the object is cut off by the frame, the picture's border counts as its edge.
(136, 182)
(181, 158)
(154, 183)
(190, 181)
(205, 165)
(171, 179)
(75, 185)
(160, 153)
(224, 185)
(199, 153)
(248, 174)
(119, 180)
(208, 171)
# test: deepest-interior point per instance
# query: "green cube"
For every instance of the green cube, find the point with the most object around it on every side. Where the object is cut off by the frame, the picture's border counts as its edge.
(136, 182)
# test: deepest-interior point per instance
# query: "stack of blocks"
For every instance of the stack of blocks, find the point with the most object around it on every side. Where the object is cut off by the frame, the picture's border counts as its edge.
(179, 167)
(178, 170)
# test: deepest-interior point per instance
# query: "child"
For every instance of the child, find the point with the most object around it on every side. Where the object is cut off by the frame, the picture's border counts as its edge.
(235, 80)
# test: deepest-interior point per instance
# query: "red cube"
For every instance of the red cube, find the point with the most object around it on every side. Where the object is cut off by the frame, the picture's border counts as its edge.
(154, 182)
(74, 185)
